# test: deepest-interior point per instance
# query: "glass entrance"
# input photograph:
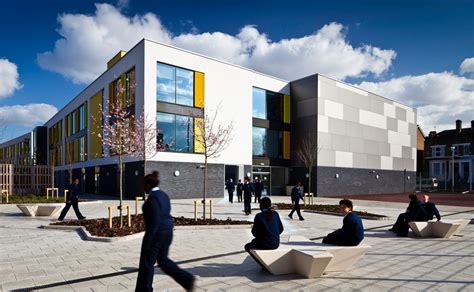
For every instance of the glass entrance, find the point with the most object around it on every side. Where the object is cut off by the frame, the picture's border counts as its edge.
(263, 174)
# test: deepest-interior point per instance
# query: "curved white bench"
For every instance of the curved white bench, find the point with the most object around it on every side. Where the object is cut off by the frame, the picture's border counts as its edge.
(33, 210)
(439, 229)
(307, 258)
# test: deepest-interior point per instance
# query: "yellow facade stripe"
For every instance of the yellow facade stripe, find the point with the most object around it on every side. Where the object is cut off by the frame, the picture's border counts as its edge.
(199, 89)
(95, 114)
(198, 132)
(115, 59)
(286, 145)
(287, 109)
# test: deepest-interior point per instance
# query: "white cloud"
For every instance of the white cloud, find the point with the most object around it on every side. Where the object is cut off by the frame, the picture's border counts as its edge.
(441, 98)
(88, 41)
(9, 81)
(467, 66)
(29, 115)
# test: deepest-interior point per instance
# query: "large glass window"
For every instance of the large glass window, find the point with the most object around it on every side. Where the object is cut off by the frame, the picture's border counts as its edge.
(274, 106)
(274, 144)
(175, 85)
(175, 132)
(166, 124)
(259, 142)
(165, 87)
(184, 134)
(259, 103)
(267, 105)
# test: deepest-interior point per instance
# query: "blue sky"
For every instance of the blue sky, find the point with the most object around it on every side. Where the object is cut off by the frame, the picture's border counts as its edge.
(410, 51)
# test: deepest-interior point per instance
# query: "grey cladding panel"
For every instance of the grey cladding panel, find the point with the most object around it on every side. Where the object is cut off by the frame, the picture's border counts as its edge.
(384, 149)
(340, 143)
(350, 113)
(337, 126)
(329, 91)
(400, 113)
(354, 129)
(406, 152)
(398, 163)
(353, 99)
(306, 107)
(356, 145)
(371, 147)
(392, 124)
(376, 104)
(359, 160)
(373, 161)
(325, 140)
(374, 134)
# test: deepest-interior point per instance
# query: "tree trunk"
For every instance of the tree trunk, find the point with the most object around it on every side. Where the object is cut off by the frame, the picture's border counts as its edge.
(120, 189)
(205, 189)
(309, 186)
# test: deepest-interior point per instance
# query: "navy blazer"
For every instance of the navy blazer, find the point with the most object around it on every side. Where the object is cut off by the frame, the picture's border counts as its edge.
(248, 190)
(352, 228)
(431, 210)
(73, 193)
(267, 232)
(157, 213)
(416, 211)
(296, 195)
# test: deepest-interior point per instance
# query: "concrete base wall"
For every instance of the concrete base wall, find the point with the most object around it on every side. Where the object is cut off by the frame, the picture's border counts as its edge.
(189, 183)
(356, 181)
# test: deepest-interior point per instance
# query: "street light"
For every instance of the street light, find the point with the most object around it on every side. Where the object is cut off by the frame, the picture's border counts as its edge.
(452, 168)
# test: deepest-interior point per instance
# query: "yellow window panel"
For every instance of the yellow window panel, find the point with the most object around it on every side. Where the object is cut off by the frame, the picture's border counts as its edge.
(199, 89)
(95, 113)
(287, 109)
(198, 132)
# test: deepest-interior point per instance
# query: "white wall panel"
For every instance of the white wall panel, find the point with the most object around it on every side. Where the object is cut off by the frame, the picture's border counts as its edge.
(389, 110)
(386, 162)
(334, 109)
(323, 124)
(372, 119)
(343, 159)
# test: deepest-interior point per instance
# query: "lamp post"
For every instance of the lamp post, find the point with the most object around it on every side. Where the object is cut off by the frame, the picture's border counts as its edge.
(452, 168)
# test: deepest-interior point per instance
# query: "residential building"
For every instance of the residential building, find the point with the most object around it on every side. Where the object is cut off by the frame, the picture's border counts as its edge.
(367, 142)
(450, 156)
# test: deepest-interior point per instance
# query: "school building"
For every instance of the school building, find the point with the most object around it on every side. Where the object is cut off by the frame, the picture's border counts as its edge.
(366, 142)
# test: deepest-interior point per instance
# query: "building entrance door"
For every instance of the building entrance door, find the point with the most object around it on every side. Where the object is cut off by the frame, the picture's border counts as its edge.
(263, 174)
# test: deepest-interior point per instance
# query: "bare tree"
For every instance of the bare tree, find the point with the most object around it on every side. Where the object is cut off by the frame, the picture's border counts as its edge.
(307, 152)
(212, 138)
(126, 135)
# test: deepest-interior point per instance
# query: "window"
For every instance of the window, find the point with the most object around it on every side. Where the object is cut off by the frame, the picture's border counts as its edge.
(259, 142)
(267, 104)
(274, 144)
(461, 149)
(259, 103)
(436, 168)
(175, 85)
(175, 132)
(437, 151)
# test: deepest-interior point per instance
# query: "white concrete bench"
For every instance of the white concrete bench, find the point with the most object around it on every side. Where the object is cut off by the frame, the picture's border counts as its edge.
(344, 257)
(439, 229)
(33, 210)
(307, 258)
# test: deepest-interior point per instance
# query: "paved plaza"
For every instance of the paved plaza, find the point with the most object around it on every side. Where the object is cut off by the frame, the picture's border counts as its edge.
(53, 260)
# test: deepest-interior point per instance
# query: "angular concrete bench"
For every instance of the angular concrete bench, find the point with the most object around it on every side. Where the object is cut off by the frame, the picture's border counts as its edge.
(344, 257)
(438, 229)
(33, 210)
(307, 258)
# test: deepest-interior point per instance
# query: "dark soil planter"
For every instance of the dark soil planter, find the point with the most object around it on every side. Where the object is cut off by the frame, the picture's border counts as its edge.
(328, 210)
(100, 227)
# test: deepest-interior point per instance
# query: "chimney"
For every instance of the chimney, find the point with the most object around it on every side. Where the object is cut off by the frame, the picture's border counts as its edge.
(458, 126)
(432, 135)
(472, 126)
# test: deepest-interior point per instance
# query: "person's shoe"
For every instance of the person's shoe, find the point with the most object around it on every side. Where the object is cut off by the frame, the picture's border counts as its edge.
(82, 218)
(301, 219)
(391, 230)
(402, 234)
(291, 217)
(191, 285)
(60, 219)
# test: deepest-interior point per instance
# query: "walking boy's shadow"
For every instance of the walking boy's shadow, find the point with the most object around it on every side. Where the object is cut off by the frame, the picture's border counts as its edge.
(248, 268)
